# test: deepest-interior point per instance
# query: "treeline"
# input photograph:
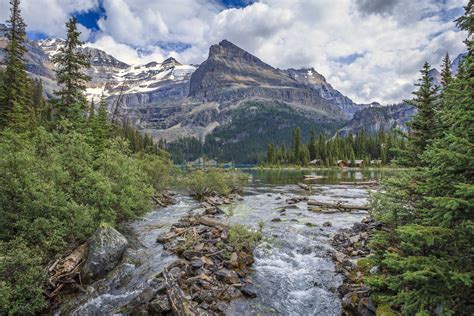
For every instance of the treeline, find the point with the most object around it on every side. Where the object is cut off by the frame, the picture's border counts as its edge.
(244, 140)
(425, 254)
(328, 150)
(66, 168)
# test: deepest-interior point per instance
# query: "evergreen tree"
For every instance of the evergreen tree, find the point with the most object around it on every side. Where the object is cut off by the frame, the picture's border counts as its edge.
(427, 259)
(446, 75)
(296, 144)
(312, 145)
(15, 84)
(424, 122)
(70, 63)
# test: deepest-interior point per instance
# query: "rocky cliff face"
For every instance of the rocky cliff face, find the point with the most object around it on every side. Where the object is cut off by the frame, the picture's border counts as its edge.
(376, 118)
(171, 100)
(230, 74)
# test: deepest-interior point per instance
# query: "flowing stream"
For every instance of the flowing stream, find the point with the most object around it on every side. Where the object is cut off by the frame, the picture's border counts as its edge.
(294, 273)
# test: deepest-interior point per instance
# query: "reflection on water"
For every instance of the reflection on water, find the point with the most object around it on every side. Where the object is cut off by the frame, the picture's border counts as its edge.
(331, 176)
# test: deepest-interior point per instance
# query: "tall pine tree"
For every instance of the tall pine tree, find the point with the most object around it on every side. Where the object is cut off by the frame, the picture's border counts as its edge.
(426, 261)
(14, 87)
(424, 121)
(70, 63)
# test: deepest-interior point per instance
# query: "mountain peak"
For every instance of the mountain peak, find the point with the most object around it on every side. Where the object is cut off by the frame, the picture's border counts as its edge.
(171, 61)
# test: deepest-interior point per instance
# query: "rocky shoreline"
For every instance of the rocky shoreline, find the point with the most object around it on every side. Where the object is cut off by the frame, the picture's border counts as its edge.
(351, 245)
(212, 269)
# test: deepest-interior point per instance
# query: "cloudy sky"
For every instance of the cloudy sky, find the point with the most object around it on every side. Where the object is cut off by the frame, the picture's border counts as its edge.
(371, 50)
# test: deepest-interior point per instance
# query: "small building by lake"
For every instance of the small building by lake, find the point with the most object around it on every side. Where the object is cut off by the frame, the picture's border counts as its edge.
(358, 163)
(342, 164)
(315, 162)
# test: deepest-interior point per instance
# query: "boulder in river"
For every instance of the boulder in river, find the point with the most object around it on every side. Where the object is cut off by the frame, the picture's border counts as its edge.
(106, 247)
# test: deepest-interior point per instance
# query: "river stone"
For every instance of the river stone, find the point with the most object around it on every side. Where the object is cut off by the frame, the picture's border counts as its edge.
(327, 224)
(106, 247)
(234, 260)
(228, 276)
(249, 290)
(276, 219)
(360, 227)
(191, 254)
(196, 264)
(159, 305)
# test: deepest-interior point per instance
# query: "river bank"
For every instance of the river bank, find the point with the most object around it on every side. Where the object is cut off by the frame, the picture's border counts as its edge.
(293, 272)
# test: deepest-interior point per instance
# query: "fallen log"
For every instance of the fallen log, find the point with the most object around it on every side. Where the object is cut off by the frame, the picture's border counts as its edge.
(211, 222)
(338, 205)
(180, 305)
(304, 186)
(326, 211)
(313, 177)
(360, 183)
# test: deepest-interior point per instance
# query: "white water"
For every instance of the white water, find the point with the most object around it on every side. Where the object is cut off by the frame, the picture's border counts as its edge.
(294, 273)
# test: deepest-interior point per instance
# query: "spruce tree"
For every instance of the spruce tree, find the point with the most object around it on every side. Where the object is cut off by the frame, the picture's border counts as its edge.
(312, 145)
(15, 82)
(296, 145)
(70, 63)
(446, 75)
(424, 121)
(427, 260)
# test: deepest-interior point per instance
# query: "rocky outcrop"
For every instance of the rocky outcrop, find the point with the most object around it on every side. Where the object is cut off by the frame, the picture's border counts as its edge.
(211, 270)
(106, 248)
(373, 119)
(351, 245)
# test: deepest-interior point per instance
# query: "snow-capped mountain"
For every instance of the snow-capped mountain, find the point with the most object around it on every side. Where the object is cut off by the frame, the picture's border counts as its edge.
(111, 76)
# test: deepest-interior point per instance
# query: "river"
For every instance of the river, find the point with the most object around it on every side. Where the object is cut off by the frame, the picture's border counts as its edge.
(294, 273)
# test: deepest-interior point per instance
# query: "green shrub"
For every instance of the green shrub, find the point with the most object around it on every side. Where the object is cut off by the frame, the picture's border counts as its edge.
(21, 277)
(55, 190)
(203, 183)
(243, 238)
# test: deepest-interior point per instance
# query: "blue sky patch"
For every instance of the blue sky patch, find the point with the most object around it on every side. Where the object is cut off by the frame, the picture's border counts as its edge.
(348, 59)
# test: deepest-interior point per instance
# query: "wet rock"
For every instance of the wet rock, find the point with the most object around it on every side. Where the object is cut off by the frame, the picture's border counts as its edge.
(106, 247)
(276, 219)
(360, 227)
(366, 307)
(160, 305)
(249, 290)
(227, 276)
(245, 259)
(196, 264)
(191, 254)
(234, 260)
(327, 224)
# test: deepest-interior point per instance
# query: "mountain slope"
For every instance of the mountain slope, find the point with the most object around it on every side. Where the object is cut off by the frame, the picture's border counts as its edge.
(377, 118)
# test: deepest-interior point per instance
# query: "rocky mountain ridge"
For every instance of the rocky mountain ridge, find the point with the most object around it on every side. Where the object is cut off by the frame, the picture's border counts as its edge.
(171, 100)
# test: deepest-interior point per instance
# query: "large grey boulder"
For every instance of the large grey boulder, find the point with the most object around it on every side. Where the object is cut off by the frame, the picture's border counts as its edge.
(106, 248)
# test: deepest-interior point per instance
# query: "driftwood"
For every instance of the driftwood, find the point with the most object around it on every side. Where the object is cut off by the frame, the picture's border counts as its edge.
(180, 305)
(304, 186)
(66, 270)
(360, 183)
(338, 205)
(211, 222)
(309, 177)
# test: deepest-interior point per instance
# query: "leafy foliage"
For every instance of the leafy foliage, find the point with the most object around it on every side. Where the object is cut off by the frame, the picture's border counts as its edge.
(203, 183)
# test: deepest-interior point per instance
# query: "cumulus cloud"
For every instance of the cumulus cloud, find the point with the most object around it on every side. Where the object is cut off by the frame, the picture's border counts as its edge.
(370, 50)
(48, 16)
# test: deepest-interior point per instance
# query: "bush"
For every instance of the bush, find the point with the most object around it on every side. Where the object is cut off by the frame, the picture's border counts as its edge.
(21, 277)
(242, 238)
(55, 189)
(203, 183)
